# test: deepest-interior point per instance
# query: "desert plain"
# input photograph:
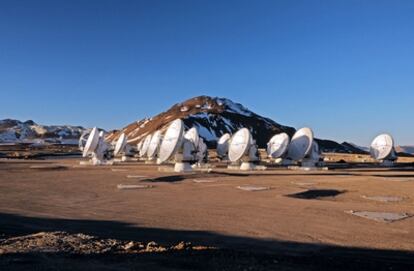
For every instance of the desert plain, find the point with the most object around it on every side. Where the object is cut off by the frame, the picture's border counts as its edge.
(57, 214)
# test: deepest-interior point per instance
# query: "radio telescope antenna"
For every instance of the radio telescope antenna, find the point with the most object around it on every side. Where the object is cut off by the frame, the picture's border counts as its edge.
(382, 149)
(303, 148)
(200, 147)
(139, 147)
(145, 146)
(192, 135)
(95, 148)
(243, 149)
(223, 146)
(174, 144)
(202, 152)
(91, 142)
(83, 138)
(120, 144)
(122, 148)
(154, 145)
(277, 147)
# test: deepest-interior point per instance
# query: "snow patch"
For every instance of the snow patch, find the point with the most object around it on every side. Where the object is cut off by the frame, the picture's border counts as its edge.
(205, 133)
(233, 107)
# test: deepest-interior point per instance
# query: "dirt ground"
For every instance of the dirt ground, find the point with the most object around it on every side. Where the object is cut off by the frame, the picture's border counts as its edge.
(58, 215)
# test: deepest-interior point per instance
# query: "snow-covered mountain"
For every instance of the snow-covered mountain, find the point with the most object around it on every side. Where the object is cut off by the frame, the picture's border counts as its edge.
(213, 117)
(15, 131)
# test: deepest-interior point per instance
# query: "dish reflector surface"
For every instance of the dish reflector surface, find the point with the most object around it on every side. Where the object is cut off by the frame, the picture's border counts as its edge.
(301, 144)
(278, 145)
(120, 144)
(240, 144)
(92, 142)
(145, 145)
(139, 145)
(382, 146)
(154, 143)
(171, 141)
(223, 144)
(192, 135)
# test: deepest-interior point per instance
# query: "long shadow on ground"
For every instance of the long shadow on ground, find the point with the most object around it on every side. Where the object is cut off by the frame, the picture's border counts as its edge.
(234, 253)
(317, 194)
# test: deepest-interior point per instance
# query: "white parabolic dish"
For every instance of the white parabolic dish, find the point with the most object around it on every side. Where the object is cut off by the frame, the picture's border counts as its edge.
(301, 144)
(139, 145)
(92, 142)
(223, 144)
(192, 135)
(145, 146)
(120, 144)
(382, 147)
(171, 141)
(153, 146)
(240, 144)
(278, 145)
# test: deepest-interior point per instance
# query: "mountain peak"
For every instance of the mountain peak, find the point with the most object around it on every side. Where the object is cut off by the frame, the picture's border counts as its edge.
(213, 117)
(29, 122)
(214, 105)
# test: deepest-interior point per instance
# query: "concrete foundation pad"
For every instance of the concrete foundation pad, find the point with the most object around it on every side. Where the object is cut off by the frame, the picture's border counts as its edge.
(118, 169)
(133, 186)
(380, 216)
(253, 188)
(304, 183)
(205, 181)
(384, 198)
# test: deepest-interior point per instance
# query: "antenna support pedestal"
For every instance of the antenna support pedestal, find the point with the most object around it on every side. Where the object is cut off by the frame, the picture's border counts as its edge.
(233, 166)
(95, 161)
(247, 166)
(126, 158)
(311, 163)
(387, 163)
(182, 167)
(283, 162)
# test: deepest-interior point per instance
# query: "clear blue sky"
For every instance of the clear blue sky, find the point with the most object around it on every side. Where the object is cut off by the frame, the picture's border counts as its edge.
(345, 68)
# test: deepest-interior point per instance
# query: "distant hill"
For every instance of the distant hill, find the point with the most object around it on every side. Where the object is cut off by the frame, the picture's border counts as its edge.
(15, 131)
(352, 148)
(405, 149)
